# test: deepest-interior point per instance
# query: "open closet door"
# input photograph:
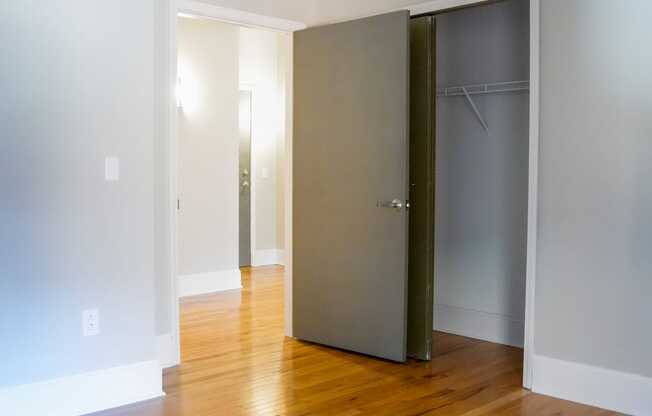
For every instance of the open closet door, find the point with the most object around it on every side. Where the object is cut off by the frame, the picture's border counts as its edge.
(422, 187)
(350, 176)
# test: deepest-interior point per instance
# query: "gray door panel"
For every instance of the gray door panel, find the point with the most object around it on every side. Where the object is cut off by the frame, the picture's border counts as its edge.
(350, 148)
(245, 178)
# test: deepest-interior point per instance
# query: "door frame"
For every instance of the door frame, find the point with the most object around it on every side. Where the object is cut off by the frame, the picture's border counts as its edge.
(287, 26)
(533, 167)
(240, 18)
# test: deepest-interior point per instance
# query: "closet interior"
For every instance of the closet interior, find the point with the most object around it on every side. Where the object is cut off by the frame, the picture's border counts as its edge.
(470, 104)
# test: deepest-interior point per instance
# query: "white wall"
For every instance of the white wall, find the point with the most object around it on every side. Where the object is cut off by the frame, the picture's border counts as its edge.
(482, 180)
(592, 335)
(284, 69)
(594, 270)
(164, 107)
(261, 69)
(76, 87)
(208, 146)
(214, 60)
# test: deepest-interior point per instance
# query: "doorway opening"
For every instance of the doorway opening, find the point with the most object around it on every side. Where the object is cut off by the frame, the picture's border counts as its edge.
(335, 165)
(230, 165)
(470, 141)
(361, 282)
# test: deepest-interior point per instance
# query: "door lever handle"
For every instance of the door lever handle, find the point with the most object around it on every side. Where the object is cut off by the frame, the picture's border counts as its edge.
(396, 204)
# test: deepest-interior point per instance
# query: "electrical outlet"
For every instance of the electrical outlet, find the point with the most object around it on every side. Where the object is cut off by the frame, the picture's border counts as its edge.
(91, 322)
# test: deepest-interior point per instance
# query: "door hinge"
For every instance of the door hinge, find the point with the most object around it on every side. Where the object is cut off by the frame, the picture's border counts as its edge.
(178, 204)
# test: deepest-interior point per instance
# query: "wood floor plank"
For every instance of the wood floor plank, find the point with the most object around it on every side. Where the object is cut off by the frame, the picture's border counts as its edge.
(237, 361)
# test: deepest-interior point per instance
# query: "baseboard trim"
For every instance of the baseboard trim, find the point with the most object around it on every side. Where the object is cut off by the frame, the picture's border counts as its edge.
(166, 349)
(608, 389)
(268, 257)
(85, 393)
(501, 329)
(203, 283)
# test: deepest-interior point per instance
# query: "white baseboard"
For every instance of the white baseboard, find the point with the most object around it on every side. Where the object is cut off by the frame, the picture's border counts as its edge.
(267, 257)
(167, 351)
(85, 393)
(203, 283)
(608, 389)
(486, 326)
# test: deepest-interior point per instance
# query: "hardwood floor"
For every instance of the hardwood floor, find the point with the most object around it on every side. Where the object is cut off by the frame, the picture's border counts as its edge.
(236, 361)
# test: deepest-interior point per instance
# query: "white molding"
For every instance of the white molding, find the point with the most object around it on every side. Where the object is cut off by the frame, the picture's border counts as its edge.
(608, 389)
(415, 9)
(85, 393)
(533, 193)
(173, 112)
(497, 328)
(166, 350)
(239, 17)
(267, 257)
(435, 5)
(289, 136)
(204, 283)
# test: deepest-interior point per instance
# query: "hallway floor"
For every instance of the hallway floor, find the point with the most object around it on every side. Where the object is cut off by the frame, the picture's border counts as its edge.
(236, 361)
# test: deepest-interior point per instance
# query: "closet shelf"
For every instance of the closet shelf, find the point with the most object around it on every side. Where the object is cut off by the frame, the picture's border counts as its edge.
(489, 88)
(477, 89)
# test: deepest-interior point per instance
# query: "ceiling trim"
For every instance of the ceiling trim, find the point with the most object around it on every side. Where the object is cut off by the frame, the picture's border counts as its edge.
(239, 17)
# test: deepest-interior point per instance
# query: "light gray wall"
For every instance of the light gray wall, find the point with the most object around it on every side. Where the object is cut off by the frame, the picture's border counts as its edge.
(208, 146)
(594, 269)
(76, 87)
(164, 106)
(481, 203)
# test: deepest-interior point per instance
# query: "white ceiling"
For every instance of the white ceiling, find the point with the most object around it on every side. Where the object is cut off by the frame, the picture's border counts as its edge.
(297, 10)
(328, 11)
(317, 12)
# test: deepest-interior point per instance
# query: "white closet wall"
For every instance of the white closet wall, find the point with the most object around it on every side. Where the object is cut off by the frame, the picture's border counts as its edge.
(481, 203)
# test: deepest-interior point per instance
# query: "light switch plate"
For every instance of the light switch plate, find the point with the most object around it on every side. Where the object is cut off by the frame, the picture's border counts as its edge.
(265, 173)
(112, 169)
(91, 322)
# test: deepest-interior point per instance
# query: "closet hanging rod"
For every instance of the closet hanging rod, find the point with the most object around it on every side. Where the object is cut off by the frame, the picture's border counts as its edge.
(489, 88)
